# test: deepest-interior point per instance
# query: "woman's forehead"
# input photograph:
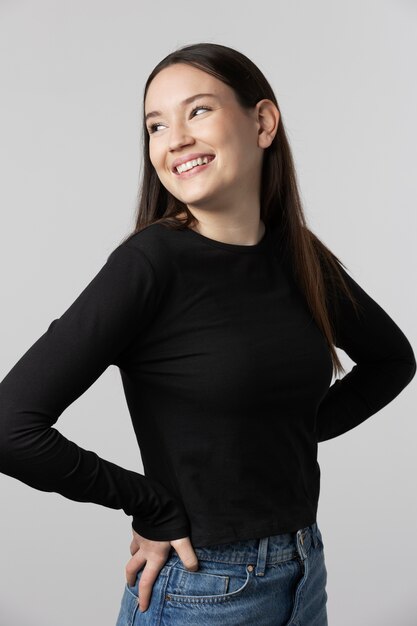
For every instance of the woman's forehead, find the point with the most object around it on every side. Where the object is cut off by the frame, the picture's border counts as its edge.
(177, 84)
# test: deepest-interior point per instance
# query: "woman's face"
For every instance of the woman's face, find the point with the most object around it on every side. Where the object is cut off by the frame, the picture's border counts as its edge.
(214, 125)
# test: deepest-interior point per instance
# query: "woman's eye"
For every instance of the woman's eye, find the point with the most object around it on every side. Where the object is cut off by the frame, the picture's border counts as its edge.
(200, 107)
(153, 127)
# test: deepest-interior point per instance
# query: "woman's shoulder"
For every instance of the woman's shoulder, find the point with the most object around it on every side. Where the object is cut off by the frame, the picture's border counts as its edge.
(156, 246)
(151, 239)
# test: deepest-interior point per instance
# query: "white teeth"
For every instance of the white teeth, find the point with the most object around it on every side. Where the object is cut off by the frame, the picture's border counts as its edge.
(190, 164)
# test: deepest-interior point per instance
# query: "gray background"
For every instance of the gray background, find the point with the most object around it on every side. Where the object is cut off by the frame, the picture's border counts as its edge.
(72, 77)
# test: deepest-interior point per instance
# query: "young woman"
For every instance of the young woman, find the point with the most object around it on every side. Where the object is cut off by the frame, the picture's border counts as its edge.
(222, 311)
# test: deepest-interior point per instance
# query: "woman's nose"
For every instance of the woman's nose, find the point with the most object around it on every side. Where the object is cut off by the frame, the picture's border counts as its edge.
(179, 136)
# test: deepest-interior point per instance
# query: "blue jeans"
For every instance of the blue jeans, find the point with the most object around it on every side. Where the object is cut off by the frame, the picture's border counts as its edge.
(274, 581)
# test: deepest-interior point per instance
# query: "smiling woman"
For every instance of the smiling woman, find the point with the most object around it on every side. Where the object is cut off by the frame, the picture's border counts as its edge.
(210, 122)
(222, 311)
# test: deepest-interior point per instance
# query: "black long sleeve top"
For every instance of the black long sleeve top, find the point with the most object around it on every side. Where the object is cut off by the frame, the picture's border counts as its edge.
(227, 381)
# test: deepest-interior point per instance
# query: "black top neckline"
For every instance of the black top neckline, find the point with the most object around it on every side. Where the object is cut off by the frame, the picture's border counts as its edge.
(232, 247)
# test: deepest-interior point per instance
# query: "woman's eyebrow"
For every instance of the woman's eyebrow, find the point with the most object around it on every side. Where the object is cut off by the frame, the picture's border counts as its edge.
(186, 101)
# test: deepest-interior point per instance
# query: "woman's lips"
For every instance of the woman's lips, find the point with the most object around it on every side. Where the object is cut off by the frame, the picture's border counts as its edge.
(194, 171)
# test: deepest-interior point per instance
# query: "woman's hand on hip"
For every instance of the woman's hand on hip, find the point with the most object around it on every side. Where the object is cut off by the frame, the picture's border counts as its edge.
(153, 555)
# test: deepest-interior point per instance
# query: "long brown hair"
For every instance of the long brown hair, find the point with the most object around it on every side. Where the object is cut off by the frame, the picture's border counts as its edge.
(315, 268)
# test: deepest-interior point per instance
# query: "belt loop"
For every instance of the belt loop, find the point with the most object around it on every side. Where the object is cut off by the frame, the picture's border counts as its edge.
(262, 552)
(300, 539)
(314, 534)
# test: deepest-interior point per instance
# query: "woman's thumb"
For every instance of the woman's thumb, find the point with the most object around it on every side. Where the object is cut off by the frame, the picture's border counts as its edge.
(186, 553)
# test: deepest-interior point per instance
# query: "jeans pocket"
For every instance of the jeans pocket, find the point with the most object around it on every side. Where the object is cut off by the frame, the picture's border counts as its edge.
(213, 582)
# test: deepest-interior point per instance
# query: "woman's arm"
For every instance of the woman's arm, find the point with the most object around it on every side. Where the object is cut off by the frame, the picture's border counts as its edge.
(60, 366)
(384, 364)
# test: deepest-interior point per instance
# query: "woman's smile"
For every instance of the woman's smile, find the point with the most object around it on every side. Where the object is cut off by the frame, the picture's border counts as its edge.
(197, 169)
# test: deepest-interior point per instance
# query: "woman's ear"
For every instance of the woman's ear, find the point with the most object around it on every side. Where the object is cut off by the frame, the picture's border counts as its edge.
(268, 119)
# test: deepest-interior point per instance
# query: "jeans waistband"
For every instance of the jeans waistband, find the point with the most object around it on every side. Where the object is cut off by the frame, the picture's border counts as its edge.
(264, 551)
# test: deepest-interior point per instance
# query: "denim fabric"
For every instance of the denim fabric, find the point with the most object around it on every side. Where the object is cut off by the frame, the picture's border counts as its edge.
(274, 581)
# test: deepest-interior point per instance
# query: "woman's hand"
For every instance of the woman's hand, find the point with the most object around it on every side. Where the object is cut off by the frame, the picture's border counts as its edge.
(155, 554)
